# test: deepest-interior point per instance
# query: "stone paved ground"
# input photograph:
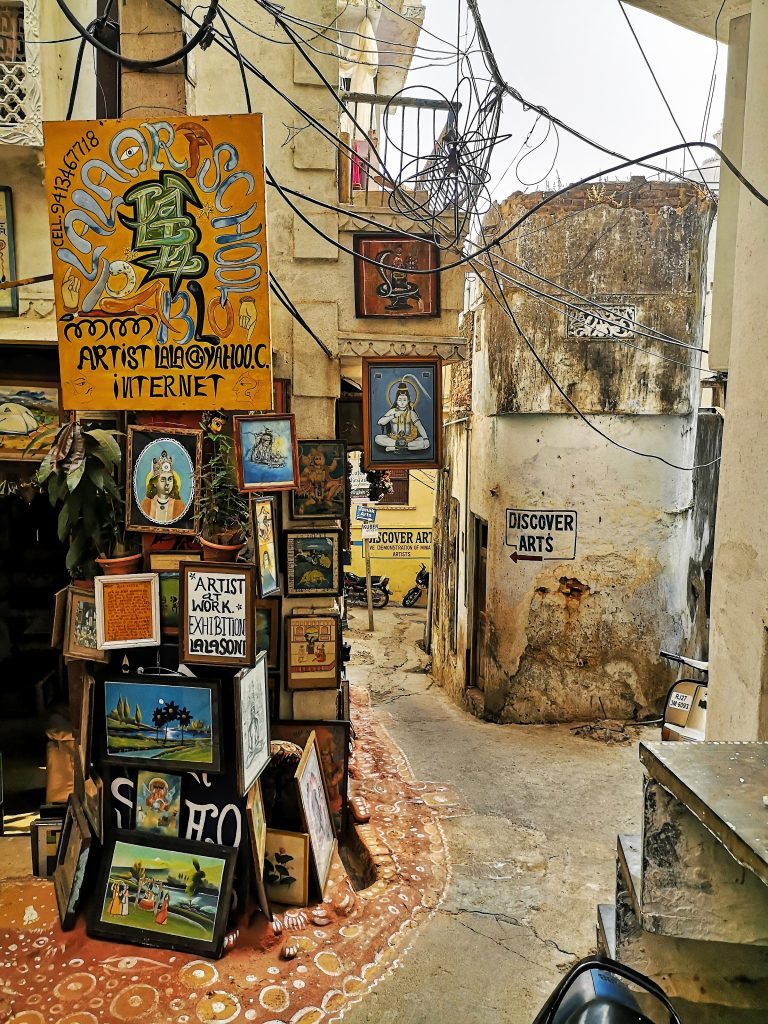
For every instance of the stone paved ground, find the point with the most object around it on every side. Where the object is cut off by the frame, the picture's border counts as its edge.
(532, 847)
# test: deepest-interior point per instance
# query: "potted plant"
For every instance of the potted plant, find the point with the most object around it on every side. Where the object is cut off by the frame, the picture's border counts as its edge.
(80, 472)
(224, 511)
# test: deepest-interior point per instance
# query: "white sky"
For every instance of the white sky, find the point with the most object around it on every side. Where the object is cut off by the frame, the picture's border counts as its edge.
(578, 59)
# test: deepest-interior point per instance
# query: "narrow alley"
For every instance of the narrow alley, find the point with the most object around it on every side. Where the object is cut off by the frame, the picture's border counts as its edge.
(528, 868)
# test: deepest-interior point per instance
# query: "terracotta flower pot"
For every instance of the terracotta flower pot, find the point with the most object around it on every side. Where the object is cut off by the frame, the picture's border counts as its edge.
(220, 552)
(118, 566)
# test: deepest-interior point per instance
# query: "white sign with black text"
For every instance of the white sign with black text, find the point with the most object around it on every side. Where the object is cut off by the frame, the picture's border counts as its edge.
(537, 535)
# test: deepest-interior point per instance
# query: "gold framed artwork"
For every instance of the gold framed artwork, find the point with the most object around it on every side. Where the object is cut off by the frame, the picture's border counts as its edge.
(286, 867)
(163, 479)
(257, 830)
(316, 811)
(80, 636)
(263, 513)
(127, 611)
(313, 651)
(29, 414)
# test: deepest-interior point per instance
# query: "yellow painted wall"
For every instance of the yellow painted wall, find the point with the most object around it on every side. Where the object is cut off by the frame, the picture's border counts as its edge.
(406, 537)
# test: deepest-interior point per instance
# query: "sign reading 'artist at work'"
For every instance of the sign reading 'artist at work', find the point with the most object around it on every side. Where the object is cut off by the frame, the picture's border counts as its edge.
(536, 535)
(158, 230)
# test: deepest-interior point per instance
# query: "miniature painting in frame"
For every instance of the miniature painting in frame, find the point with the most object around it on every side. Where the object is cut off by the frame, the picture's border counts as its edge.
(71, 861)
(172, 722)
(322, 490)
(266, 458)
(333, 744)
(267, 622)
(313, 563)
(127, 611)
(170, 893)
(397, 276)
(163, 479)
(216, 617)
(265, 538)
(9, 297)
(286, 867)
(312, 661)
(80, 629)
(166, 565)
(251, 722)
(315, 810)
(28, 412)
(402, 413)
(257, 830)
(158, 803)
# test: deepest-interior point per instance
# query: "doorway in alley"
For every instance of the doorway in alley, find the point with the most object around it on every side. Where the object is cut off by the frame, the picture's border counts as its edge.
(479, 613)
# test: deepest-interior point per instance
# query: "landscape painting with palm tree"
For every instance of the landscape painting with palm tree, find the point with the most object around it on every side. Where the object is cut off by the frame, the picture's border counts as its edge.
(154, 721)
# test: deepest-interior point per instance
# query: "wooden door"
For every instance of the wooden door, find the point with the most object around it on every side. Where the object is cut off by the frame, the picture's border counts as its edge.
(479, 606)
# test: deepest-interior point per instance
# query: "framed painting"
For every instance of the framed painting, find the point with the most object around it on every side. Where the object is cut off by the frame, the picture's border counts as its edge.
(316, 811)
(251, 723)
(257, 830)
(29, 415)
(170, 561)
(396, 275)
(172, 721)
(170, 893)
(333, 744)
(313, 563)
(402, 413)
(84, 725)
(71, 862)
(9, 298)
(216, 624)
(322, 490)
(286, 867)
(267, 626)
(313, 652)
(263, 513)
(45, 836)
(163, 479)
(158, 803)
(80, 627)
(59, 617)
(93, 803)
(265, 452)
(127, 611)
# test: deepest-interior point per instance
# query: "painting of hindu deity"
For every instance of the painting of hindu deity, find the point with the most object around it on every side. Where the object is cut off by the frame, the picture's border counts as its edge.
(322, 490)
(265, 534)
(313, 563)
(252, 722)
(158, 803)
(402, 413)
(266, 458)
(313, 801)
(396, 276)
(163, 479)
(177, 891)
(170, 722)
(29, 417)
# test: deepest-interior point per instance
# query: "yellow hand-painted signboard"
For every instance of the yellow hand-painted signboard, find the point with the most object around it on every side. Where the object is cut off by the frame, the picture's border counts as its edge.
(159, 237)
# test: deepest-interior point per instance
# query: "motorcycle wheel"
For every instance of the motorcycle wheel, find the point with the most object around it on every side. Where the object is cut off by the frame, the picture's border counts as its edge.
(411, 597)
(380, 598)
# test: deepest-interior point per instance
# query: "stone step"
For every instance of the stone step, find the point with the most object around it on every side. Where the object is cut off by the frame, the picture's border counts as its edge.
(606, 930)
(629, 859)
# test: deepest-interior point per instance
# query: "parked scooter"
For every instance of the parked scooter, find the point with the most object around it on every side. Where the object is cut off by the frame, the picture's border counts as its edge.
(355, 590)
(601, 991)
(422, 584)
(685, 710)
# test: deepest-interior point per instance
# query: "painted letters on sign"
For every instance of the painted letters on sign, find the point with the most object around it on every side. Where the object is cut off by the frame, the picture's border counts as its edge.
(158, 230)
(536, 535)
(216, 614)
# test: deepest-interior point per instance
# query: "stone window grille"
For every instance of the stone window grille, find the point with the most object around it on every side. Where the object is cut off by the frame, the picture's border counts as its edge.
(21, 103)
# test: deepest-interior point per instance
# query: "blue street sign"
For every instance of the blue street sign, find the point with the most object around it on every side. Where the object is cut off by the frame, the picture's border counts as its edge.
(365, 514)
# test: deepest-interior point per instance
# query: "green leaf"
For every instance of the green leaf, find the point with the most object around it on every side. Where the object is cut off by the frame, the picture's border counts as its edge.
(95, 474)
(78, 550)
(75, 476)
(108, 448)
(45, 469)
(63, 523)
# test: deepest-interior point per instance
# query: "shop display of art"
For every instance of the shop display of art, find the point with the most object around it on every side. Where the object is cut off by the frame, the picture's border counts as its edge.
(127, 611)
(396, 275)
(216, 619)
(171, 893)
(80, 626)
(163, 479)
(402, 412)
(158, 803)
(257, 831)
(9, 297)
(84, 724)
(28, 411)
(71, 862)
(267, 622)
(322, 490)
(312, 651)
(45, 835)
(333, 744)
(251, 722)
(93, 803)
(313, 563)
(166, 565)
(286, 867)
(315, 810)
(266, 456)
(263, 512)
(157, 307)
(171, 721)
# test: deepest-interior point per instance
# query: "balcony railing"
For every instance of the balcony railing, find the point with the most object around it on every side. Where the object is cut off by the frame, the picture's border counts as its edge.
(21, 101)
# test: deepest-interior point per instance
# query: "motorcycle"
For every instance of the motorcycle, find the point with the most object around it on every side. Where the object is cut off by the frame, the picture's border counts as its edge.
(598, 990)
(356, 594)
(422, 583)
(685, 710)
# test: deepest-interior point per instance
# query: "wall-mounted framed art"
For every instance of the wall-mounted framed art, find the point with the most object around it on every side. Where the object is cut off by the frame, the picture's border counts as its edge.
(216, 622)
(251, 722)
(29, 414)
(398, 276)
(267, 624)
(80, 626)
(158, 803)
(166, 565)
(174, 721)
(313, 650)
(322, 490)
(313, 563)
(264, 515)
(163, 479)
(316, 811)
(181, 903)
(266, 457)
(9, 298)
(402, 412)
(127, 611)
